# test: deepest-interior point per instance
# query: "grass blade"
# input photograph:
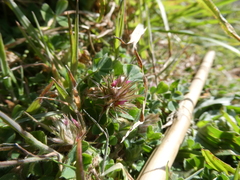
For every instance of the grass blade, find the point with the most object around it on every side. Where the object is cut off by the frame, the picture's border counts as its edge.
(30, 139)
(119, 26)
(216, 163)
(237, 172)
(226, 26)
(75, 36)
(8, 76)
(214, 41)
(63, 93)
(22, 18)
(5, 69)
(165, 22)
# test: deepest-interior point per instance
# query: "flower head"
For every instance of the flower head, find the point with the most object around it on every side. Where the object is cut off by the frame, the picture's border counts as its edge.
(119, 81)
(116, 93)
(66, 129)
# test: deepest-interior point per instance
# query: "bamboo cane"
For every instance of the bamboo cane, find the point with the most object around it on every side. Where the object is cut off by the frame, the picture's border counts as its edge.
(165, 153)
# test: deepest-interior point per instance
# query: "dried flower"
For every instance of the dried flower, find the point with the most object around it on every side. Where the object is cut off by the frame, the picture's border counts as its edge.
(67, 130)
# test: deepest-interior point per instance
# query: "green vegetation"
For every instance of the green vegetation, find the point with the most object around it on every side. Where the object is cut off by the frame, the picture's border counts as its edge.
(84, 96)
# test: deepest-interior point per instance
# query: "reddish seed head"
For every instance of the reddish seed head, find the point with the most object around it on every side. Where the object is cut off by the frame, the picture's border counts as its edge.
(121, 102)
(119, 81)
(116, 94)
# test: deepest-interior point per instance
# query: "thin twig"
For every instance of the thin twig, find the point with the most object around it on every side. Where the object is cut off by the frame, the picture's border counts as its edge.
(107, 140)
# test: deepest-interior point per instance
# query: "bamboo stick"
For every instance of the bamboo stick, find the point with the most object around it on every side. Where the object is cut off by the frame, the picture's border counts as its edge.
(165, 153)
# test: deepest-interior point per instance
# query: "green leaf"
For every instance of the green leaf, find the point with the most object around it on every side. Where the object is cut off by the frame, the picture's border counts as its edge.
(231, 122)
(116, 126)
(74, 42)
(234, 108)
(139, 165)
(110, 129)
(47, 12)
(15, 155)
(62, 20)
(87, 158)
(35, 105)
(72, 155)
(177, 95)
(217, 138)
(126, 116)
(17, 111)
(195, 162)
(68, 173)
(152, 89)
(172, 105)
(134, 112)
(40, 135)
(147, 148)
(7, 135)
(118, 68)
(113, 140)
(133, 72)
(61, 90)
(99, 63)
(222, 177)
(133, 154)
(237, 172)
(162, 87)
(61, 6)
(174, 85)
(35, 169)
(227, 152)
(216, 163)
(212, 104)
(151, 135)
(95, 129)
(85, 146)
(102, 66)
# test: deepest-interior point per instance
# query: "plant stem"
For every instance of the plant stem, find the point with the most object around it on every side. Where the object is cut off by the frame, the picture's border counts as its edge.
(107, 140)
(79, 162)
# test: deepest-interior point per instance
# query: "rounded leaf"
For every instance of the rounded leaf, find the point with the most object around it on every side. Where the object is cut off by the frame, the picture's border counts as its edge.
(61, 6)
(172, 106)
(113, 140)
(133, 72)
(162, 88)
(62, 20)
(46, 12)
(87, 158)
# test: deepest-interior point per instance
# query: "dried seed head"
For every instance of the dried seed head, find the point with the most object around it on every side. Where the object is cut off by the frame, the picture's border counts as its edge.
(67, 130)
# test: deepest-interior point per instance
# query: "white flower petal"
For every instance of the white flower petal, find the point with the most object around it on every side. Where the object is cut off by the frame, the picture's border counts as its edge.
(136, 35)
